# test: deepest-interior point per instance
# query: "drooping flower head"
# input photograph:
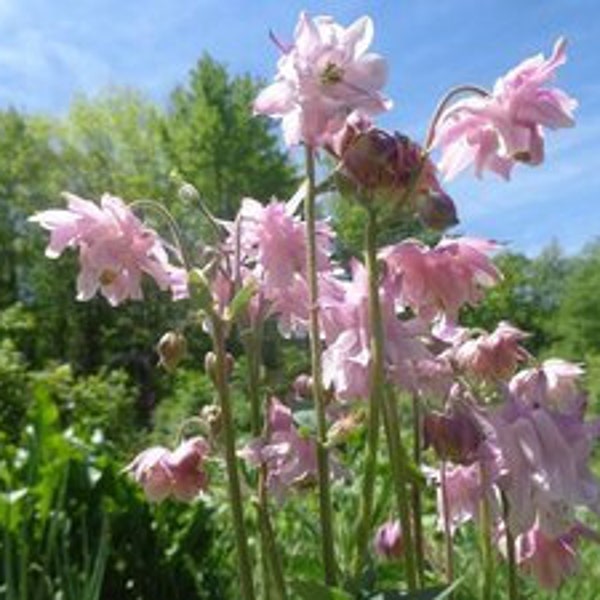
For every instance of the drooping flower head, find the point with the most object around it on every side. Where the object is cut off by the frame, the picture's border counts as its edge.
(179, 473)
(438, 281)
(388, 542)
(546, 465)
(496, 131)
(322, 77)
(554, 384)
(492, 356)
(115, 249)
(549, 560)
(289, 455)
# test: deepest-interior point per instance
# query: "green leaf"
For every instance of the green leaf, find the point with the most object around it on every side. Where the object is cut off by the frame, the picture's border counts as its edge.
(311, 590)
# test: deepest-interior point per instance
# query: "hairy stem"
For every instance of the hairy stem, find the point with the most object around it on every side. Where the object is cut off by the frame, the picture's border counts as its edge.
(416, 491)
(270, 557)
(325, 511)
(398, 458)
(444, 103)
(233, 480)
(486, 540)
(375, 401)
(513, 591)
(448, 540)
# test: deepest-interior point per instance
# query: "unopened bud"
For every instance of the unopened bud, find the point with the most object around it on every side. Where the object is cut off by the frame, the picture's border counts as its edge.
(171, 348)
(303, 385)
(453, 436)
(211, 415)
(388, 542)
(436, 210)
(210, 365)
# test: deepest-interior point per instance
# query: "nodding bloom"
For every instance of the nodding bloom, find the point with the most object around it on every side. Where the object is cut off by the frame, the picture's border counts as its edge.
(546, 472)
(115, 249)
(289, 455)
(322, 77)
(496, 131)
(179, 473)
(347, 357)
(272, 243)
(550, 560)
(492, 356)
(388, 541)
(437, 281)
(554, 384)
(454, 435)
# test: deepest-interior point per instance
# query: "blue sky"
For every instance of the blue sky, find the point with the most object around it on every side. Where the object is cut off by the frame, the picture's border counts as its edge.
(51, 49)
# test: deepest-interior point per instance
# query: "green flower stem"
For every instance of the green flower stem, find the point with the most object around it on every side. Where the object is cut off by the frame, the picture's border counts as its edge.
(448, 540)
(444, 103)
(486, 542)
(233, 480)
(398, 457)
(416, 491)
(326, 513)
(364, 527)
(272, 572)
(513, 591)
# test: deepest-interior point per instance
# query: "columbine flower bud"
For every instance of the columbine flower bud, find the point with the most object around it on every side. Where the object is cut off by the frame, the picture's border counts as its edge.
(211, 415)
(453, 436)
(171, 348)
(436, 210)
(210, 365)
(388, 541)
(389, 168)
(302, 386)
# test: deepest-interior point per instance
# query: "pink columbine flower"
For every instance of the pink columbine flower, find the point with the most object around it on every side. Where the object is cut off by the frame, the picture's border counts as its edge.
(549, 560)
(496, 131)
(179, 473)
(272, 246)
(325, 75)
(115, 249)
(347, 357)
(289, 455)
(388, 541)
(460, 494)
(554, 384)
(492, 356)
(546, 472)
(437, 281)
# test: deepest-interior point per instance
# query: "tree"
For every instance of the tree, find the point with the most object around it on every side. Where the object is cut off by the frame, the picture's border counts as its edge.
(213, 140)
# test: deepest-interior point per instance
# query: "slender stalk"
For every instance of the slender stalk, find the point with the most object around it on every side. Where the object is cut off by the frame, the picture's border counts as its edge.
(173, 227)
(416, 491)
(444, 103)
(233, 480)
(326, 513)
(448, 542)
(486, 541)
(388, 401)
(270, 550)
(375, 401)
(513, 591)
(272, 572)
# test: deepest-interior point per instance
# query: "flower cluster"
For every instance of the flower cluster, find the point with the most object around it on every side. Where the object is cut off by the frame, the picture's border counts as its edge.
(513, 442)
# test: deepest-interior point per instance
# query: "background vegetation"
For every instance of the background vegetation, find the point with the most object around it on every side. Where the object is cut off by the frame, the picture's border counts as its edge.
(80, 392)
